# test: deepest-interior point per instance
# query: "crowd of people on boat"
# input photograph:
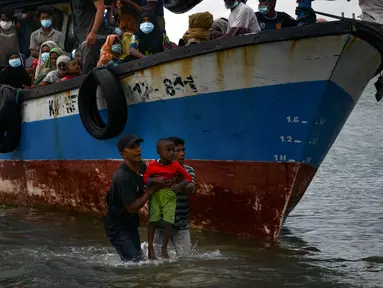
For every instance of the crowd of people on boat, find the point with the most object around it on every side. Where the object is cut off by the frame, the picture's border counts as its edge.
(110, 33)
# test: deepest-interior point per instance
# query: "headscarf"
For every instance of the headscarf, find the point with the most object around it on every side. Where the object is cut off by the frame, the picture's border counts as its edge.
(15, 76)
(48, 65)
(218, 28)
(128, 16)
(199, 25)
(40, 63)
(53, 76)
(152, 42)
(220, 25)
(106, 54)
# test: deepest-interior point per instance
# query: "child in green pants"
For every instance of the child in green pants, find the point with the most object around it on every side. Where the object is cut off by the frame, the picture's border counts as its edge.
(163, 202)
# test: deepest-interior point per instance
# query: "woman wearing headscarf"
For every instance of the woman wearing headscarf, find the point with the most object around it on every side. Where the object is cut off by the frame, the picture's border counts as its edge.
(149, 38)
(14, 74)
(110, 51)
(56, 75)
(50, 64)
(199, 25)
(44, 55)
(128, 12)
(218, 28)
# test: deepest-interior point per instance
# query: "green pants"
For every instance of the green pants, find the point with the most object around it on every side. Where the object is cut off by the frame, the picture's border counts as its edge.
(163, 203)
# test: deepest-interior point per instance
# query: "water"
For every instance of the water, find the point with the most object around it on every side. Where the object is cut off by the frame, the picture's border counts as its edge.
(334, 238)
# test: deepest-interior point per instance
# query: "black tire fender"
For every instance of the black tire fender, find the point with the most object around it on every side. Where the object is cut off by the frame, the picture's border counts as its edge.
(7, 102)
(180, 6)
(10, 118)
(115, 102)
(10, 133)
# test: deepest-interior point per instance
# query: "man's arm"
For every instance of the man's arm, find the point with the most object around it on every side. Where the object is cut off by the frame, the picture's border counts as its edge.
(133, 5)
(151, 5)
(242, 21)
(60, 40)
(233, 31)
(190, 188)
(98, 19)
(127, 190)
(185, 188)
(33, 46)
(136, 205)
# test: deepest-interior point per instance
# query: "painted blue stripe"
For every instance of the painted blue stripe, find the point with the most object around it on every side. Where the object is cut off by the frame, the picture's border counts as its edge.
(249, 124)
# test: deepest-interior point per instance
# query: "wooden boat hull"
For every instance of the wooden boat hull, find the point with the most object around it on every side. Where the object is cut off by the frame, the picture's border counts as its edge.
(258, 120)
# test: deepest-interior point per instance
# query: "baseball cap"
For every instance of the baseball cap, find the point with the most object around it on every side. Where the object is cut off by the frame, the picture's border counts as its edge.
(126, 141)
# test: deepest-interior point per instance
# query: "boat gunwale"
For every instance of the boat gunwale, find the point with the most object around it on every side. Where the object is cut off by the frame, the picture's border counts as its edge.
(368, 32)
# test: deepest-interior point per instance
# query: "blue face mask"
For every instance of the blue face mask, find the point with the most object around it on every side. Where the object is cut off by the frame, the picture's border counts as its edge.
(263, 9)
(14, 62)
(146, 27)
(45, 56)
(46, 23)
(118, 31)
(74, 54)
(116, 48)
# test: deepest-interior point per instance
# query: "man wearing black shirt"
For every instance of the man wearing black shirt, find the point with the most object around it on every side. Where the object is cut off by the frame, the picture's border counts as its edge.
(268, 18)
(125, 198)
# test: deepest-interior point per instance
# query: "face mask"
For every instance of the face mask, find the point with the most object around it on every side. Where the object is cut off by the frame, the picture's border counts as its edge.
(6, 25)
(45, 57)
(118, 31)
(14, 62)
(236, 3)
(46, 23)
(73, 54)
(116, 48)
(263, 9)
(146, 27)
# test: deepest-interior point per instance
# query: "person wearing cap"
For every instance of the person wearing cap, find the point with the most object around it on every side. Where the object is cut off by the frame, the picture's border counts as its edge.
(125, 198)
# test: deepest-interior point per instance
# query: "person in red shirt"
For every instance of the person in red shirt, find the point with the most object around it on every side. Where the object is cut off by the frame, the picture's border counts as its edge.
(163, 171)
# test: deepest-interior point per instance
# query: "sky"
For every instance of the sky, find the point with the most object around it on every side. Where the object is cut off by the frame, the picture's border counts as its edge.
(177, 24)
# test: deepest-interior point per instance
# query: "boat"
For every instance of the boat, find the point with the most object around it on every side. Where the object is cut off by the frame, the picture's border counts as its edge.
(258, 113)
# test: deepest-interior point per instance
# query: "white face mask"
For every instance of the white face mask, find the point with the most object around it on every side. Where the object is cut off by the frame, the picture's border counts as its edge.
(6, 25)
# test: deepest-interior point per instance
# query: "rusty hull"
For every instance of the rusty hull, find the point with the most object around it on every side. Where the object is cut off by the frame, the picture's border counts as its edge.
(240, 198)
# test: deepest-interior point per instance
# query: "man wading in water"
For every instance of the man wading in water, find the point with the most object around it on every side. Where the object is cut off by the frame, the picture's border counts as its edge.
(125, 198)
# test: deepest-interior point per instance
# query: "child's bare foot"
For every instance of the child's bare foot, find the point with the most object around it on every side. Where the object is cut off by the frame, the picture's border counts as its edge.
(164, 253)
(151, 254)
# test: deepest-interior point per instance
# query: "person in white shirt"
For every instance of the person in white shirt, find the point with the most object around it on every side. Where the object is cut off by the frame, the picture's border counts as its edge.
(242, 19)
(372, 10)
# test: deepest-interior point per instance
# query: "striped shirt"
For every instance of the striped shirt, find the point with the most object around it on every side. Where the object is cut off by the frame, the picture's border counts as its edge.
(182, 210)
